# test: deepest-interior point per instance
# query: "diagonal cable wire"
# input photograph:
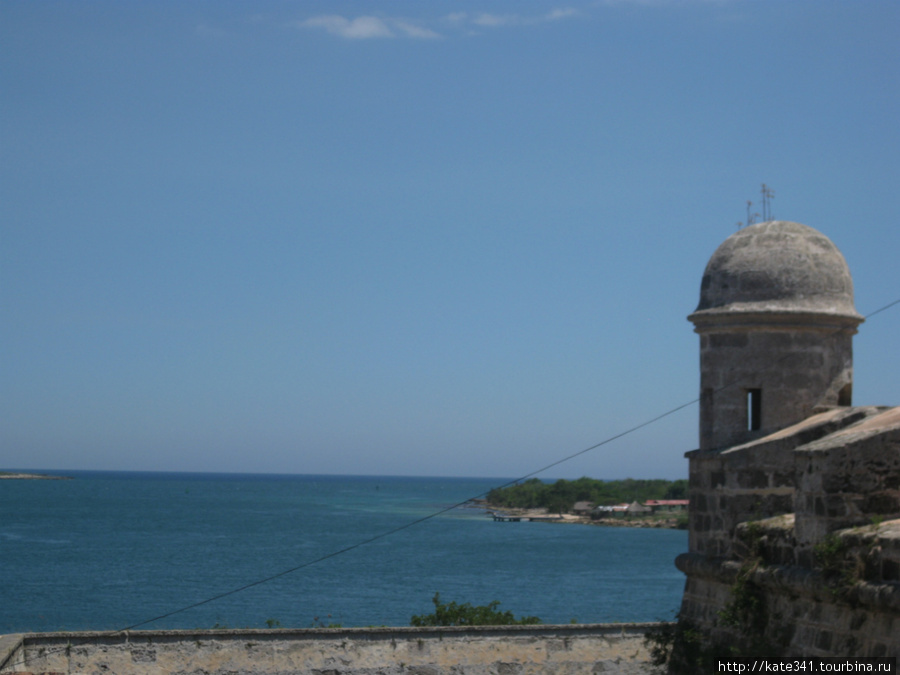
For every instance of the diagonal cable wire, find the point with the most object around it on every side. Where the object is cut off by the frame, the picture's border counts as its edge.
(405, 526)
(881, 309)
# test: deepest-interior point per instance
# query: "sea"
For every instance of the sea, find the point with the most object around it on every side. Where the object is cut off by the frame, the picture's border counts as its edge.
(117, 550)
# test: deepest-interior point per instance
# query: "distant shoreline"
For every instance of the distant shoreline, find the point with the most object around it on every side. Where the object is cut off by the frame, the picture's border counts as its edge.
(668, 522)
(16, 475)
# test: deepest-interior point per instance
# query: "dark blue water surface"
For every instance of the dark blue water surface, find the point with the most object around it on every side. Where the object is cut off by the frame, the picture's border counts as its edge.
(111, 550)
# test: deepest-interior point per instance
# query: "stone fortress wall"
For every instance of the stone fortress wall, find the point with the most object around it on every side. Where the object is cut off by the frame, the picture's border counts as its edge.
(612, 649)
(794, 534)
(817, 522)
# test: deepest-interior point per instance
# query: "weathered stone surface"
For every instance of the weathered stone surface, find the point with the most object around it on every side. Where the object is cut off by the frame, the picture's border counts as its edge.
(790, 482)
(617, 649)
(777, 266)
(784, 332)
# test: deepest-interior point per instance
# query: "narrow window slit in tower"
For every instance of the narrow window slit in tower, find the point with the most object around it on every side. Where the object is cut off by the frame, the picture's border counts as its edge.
(754, 409)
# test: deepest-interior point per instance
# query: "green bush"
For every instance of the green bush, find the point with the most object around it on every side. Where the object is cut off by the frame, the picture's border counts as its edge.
(453, 614)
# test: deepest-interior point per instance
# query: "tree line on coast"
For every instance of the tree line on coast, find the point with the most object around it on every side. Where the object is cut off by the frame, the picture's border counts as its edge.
(561, 496)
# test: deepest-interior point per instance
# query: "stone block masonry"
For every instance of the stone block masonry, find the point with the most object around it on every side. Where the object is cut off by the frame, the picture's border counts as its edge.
(794, 518)
(804, 527)
(808, 612)
(611, 649)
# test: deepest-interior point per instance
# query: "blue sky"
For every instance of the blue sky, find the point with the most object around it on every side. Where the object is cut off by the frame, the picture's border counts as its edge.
(413, 238)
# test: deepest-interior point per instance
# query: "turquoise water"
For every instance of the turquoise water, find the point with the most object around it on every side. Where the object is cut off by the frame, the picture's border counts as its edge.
(111, 550)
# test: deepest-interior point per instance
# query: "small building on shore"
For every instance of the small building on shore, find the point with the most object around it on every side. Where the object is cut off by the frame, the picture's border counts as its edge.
(667, 505)
(637, 509)
(609, 511)
(583, 508)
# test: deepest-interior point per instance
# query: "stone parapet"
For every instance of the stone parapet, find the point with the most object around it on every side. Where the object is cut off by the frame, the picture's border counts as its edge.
(616, 649)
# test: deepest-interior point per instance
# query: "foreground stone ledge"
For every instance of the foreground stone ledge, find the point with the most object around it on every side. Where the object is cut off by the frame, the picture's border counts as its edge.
(570, 649)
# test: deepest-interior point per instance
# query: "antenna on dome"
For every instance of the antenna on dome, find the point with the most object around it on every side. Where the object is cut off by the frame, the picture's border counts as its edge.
(751, 217)
(767, 194)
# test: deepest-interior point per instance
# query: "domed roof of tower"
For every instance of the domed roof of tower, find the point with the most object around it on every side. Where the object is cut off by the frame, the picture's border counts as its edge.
(777, 267)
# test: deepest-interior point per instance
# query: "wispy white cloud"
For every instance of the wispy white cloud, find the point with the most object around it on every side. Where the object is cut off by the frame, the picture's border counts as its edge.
(495, 20)
(456, 18)
(369, 27)
(360, 28)
(558, 14)
(487, 20)
(416, 31)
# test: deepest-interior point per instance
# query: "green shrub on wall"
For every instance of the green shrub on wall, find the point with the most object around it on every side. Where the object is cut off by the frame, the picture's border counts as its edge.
(454, 614)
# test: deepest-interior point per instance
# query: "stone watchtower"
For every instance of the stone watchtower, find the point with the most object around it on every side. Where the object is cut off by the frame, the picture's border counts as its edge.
(786, 466)
(776, 320)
